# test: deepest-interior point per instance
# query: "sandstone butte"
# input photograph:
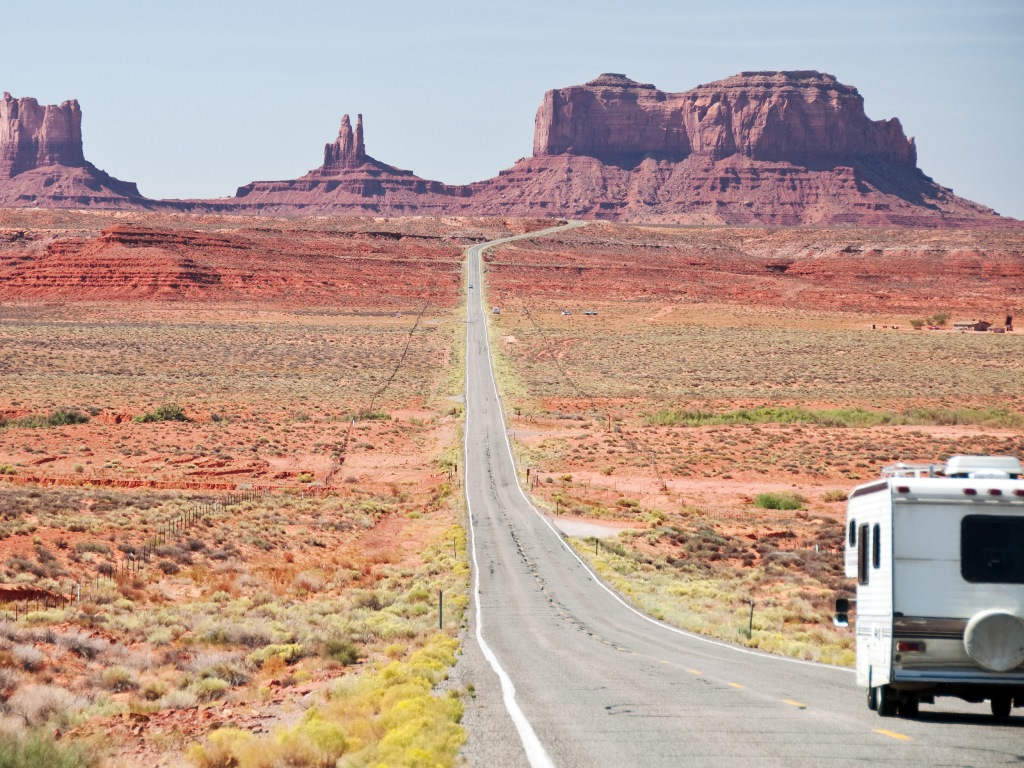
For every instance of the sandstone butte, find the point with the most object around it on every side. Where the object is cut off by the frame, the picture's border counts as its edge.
(777, 148)
(42, 161)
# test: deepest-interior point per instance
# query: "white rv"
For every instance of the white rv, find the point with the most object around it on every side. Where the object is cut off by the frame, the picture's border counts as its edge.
(938, 554)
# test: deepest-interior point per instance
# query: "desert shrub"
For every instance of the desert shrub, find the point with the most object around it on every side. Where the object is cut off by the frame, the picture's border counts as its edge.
(314, 743)
(117, 679)
(373, 416)
(287, 652)
(161, 636)
(310, 581)
(178, 700)
(39, 704)
(168, 566)
(28, 657)
(91, 546)
(209, 688)
(10, 679)
(250, 634)
(779, 500)
(168, 412)
(372, 599)
(81, 643)
(226, 666)
(61, 417)
(178, 554)
(41, 751)
(340, 649)
(834, 495)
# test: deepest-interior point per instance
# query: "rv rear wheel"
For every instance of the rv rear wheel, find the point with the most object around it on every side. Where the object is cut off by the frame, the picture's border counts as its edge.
(885, 702)
(909, 707)
(872, 701)
(1001, 705)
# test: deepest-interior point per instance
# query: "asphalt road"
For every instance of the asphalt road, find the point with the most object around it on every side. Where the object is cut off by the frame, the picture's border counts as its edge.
(566, 674)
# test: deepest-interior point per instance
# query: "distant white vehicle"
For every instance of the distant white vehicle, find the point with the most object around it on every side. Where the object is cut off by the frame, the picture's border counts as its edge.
(938, 554)
(566, 312)
(590, 312)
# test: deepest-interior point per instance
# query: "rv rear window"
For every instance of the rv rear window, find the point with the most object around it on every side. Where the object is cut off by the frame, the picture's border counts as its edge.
(863, 554)
(992, 549)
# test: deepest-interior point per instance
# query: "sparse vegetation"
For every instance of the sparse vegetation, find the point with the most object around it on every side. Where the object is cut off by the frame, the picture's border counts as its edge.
(841, 417)
(784, 500)
(168, 412)
(36, 750)
(61, 417)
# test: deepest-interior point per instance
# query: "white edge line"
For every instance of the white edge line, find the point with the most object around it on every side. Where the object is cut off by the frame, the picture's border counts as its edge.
(490, 367)
(536, 755)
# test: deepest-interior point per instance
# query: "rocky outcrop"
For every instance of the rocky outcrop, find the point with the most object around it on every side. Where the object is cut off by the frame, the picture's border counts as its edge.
(805, 118)
(349, 181)
(348, 151)
(42, 162)
(770, 148)
(32, 135)
(779, 148)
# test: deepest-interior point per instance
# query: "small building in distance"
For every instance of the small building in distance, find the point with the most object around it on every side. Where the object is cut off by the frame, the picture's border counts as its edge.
(971, 325)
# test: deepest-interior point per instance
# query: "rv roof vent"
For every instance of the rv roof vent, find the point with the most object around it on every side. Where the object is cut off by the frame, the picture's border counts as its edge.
(984, 466)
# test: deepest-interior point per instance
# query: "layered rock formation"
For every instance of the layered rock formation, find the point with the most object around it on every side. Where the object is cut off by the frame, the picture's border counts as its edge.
(805, 118)
(32, 135)
(778, 148)
(760, 147)
(349, 181)
(348, 151)
(42, 162)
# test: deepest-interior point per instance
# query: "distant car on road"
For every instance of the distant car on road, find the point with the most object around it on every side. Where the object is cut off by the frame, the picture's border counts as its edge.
(566, 312)
(590, 312)
(470, 285)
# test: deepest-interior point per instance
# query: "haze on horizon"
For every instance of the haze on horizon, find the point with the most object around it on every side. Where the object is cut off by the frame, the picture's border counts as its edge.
(193, 100)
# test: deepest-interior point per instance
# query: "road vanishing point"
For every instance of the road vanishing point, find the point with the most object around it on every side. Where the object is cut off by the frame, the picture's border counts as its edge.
(565, 673)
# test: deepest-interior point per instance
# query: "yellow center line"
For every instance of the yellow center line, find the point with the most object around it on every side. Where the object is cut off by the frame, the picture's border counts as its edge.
(695, 672)
(893, 734)
(735, 685)
(794, 703)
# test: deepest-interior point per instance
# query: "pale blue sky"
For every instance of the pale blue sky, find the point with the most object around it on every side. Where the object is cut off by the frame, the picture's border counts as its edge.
(193, 99)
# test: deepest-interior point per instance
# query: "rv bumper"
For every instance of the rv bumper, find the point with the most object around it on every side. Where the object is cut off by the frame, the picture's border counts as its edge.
(958, 677)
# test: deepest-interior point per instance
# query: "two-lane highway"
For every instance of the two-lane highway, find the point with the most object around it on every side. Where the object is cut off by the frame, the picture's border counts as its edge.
(567, 674)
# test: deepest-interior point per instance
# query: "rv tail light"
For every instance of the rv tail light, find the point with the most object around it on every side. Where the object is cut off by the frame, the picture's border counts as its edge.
(994, 492)
(905, 647)
(902, 489)
(1019, 492)
(970, 492)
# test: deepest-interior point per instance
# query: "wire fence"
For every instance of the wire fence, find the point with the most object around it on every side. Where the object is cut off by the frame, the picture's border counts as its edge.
(137, 559)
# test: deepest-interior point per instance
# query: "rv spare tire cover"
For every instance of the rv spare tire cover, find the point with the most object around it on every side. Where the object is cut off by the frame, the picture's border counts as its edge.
(995, 639)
